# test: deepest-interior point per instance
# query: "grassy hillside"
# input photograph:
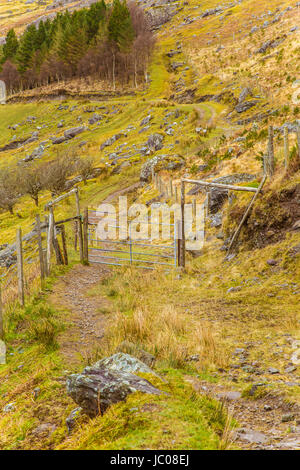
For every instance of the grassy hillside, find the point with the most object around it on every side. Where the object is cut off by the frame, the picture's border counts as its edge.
(218, 327)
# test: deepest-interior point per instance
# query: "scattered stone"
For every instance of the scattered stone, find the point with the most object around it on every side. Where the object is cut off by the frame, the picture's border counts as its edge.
(72, 418)
(36, 392)
(9, 407)
(230, 396)
(268, 408)
(234, 289)
(290, 369)
(44, 430)
(272, 262)
(249, 435)
(287, 417)
(272, 370)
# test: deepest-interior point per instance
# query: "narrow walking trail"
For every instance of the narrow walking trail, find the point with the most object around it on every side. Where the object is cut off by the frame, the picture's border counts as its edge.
(85, 317)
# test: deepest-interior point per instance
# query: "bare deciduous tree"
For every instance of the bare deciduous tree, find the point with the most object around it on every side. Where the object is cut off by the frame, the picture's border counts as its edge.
(10, 190)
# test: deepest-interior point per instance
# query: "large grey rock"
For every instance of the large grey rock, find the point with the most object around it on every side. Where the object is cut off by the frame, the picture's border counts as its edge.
(102, 385)
(70, 133)
(155, 142)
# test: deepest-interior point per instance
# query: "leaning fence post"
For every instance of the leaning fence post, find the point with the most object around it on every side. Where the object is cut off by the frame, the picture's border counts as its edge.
(20, 267)
(40, 247)
(286, 146)
(85, 235)
(80, 237)
(1, 316)
(182, 241)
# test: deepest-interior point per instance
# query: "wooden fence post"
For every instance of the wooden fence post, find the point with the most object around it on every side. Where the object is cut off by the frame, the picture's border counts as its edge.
(50, 239)
(171, 188)
(269, 161)
(80, 237)
(58, 253)
(286, 147)
(182, 241)
(85, 235)
(159, 184)
(298, 139)
(1, 316)
(40, 247)
(176, 194)
(178, 231)
(194, 207)
(64, 245)
(20, 267)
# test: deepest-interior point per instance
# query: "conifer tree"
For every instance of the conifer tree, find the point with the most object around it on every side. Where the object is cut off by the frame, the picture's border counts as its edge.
(11, 45)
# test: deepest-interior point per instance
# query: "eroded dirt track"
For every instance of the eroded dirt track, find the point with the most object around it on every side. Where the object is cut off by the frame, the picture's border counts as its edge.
(86, 320)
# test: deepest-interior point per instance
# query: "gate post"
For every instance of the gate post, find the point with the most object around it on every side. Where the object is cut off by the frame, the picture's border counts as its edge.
(85, 236)
(182, 241)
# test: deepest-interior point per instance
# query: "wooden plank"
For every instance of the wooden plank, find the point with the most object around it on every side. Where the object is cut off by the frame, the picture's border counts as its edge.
(237, 232)
(61, 198)
(20, 267)
(40, 247)
(220, 185)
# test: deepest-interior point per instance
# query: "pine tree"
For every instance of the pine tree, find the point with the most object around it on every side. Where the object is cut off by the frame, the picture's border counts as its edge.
(27, 47)
(94, 16)
(11, 45)
(120, 29)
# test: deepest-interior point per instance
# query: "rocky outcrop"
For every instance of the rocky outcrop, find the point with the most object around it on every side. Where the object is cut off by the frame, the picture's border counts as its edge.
(107, 382)
(158, 163)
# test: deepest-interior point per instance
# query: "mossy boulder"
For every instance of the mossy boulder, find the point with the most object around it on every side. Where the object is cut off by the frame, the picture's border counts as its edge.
(107, 382)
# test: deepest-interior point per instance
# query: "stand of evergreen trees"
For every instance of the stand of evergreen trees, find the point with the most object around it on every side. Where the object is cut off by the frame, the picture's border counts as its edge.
(111, 43)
